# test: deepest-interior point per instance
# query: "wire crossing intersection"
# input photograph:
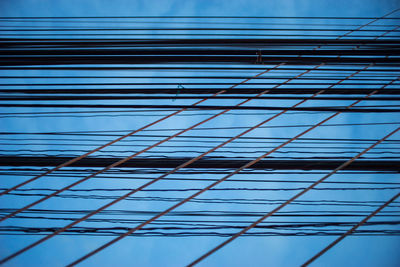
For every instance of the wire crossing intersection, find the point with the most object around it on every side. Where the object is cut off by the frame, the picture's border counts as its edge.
(256, 113)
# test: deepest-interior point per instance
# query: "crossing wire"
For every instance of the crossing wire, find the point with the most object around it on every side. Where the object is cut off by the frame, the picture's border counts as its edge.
(351, 230)
(132, 230)
(289, 200)
(127, 135)
(115, 164)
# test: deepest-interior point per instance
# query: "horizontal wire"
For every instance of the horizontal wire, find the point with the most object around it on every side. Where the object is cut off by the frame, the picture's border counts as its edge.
(208, 107)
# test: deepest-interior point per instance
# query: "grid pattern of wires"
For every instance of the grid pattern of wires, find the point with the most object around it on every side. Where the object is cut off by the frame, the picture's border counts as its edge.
(255, 112)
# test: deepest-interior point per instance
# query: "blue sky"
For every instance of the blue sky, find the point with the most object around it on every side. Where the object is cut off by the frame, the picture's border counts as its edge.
(156, 251)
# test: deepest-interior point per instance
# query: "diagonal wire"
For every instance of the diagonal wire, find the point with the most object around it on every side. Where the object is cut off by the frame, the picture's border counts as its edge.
(149, 183)
(132, 230)
(136, 154)
(351, 230)
(317, 66)
(168, 116)
(292, 199)
(210, 186)
(132, 133)
(166, 174)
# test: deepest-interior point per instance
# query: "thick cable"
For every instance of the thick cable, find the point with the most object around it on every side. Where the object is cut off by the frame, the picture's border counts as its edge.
(291, 199)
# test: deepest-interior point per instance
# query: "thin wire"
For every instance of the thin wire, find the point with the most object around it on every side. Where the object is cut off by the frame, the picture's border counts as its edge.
(82, 18)
(350, 231)
(138, 189)
(196, 194)
(291, 199)
(188, 198)
(132, 156)
(17, 253)
(127, 135)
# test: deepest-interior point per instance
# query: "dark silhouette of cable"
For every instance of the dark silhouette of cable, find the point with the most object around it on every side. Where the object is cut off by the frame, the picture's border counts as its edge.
(194, 195)
(291, 199)
(127, 135)
(183, 165)
(351, 231)
(147, 184)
